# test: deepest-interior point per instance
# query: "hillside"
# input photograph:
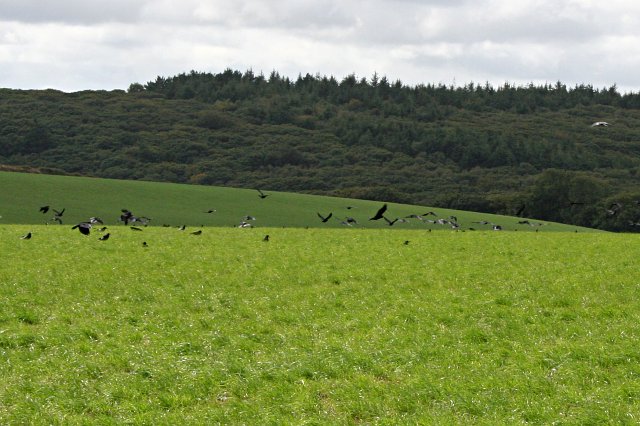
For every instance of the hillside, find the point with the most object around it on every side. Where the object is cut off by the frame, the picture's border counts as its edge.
(475, 147)
(174, 205)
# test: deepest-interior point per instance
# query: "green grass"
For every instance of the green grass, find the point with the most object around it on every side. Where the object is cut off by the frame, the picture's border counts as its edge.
(173, 204)
(318, 327)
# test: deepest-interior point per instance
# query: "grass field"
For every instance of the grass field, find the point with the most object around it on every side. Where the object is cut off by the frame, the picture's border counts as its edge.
(172, 204)
(318, 327)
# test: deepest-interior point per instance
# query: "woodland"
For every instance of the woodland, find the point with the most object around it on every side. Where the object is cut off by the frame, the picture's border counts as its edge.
(526, 150)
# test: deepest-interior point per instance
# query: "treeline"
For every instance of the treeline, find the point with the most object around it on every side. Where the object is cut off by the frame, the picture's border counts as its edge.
(511, 149)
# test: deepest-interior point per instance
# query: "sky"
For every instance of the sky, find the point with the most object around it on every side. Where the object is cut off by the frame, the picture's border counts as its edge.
(73, 45)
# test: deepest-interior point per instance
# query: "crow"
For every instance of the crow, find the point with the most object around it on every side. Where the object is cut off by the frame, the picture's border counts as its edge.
(83, 227)
(266, 238)
(390, 222)
(325, 219)
(262, 195)
(105, 237)
(57, 217)
(379, 214)
(44, 209)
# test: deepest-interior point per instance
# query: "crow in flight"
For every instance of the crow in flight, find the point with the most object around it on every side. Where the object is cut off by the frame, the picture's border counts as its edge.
(262, 195)
(390, 222)
(83, 227)
(325, 219)
(44, 209)
(379, 214)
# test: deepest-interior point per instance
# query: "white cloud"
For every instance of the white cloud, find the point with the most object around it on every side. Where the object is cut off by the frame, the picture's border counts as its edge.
(80, 44)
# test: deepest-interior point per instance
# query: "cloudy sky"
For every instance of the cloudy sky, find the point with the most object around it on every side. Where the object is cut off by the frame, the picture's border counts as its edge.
(74, 45)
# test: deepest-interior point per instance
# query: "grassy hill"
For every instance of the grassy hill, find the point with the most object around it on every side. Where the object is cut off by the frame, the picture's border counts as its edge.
(317, 326)
(179, 204)
(476, 148)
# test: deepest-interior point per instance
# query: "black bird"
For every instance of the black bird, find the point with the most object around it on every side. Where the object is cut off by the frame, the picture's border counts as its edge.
(211, 211)
(379, 214)
(144, 244)
(26, 237)
(135, 228)
(325, 219)
(182, 228)
(266, 238)
(44, 209)
(390, 222)
(105, 237)
(198, 232)
(262, 194)
(126, 216)
(406, 243)
(83, 227)
(57, 217)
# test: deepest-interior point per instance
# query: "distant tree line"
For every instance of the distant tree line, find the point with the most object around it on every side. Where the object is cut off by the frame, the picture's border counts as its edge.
(511, 149)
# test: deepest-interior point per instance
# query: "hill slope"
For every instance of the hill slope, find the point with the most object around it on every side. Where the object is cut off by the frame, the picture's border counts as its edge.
(179, 204)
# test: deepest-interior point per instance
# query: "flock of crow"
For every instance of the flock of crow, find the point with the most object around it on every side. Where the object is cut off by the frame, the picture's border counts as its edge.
(136, 222)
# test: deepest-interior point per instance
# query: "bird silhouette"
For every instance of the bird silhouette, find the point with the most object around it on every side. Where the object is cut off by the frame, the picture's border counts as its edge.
(198, 232)
(323, 218)
(390, 222)
(266, 238)
(379, 214)
(105, 237)
(44, 209)
(27, 236)
(83, 227)
(262, 195)
(57, 217)
(211, 211)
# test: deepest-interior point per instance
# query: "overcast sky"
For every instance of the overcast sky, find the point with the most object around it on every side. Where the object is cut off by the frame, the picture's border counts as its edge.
(75, 45)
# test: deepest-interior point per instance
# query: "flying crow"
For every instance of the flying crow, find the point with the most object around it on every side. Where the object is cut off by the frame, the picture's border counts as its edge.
(324, 219)
(379, 214)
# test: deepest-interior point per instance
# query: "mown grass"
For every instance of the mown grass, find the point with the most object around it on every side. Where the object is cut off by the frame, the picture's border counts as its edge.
(173, 204)
(318, 327)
